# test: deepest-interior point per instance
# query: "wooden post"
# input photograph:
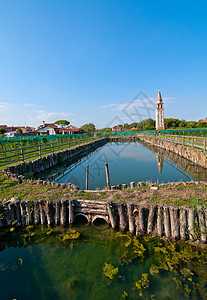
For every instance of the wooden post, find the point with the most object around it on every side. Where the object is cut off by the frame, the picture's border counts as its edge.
(122, 218)
(63, 211)
(12, 213)
(52, 148)
(42, 212)
(174, 221)
(183, 223)
(87, 170)
(36, 213)
(183, 141)
(23, 212)
(151, 218)
(160, 225)
(111, 214)
(68, 144)
(28, 212)
(202, 224)
(22, 154)
(18, 212)
(57, 212)
(192, 140)
(132, 185)
(61, 145)
(49, 212)
(191, 222)
(140, 228)
(107, 177)
(130, 216)
(71, 211)
(204, 144)
(39, 151)
(166, 221)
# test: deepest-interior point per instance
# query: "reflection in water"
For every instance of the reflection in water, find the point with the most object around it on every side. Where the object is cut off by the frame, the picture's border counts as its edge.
(160, 162)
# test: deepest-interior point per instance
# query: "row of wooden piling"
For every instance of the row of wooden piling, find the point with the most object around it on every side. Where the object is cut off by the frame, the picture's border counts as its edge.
(166, 221)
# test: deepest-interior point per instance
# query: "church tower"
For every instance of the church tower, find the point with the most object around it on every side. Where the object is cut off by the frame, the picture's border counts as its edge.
(159, 113)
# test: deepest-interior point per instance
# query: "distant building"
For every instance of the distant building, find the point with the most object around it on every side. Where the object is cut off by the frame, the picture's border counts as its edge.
(203, 121)
(116, 128)
(12, 130)
(52, 129)
(159, 113)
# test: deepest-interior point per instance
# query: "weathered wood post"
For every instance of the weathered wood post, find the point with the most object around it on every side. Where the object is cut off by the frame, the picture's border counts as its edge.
(122, 217)
(49, 212)
(36, 212)
(151, 218)
(202, 223)
(140, 222)
(204, 144)
(12, 212)
(71, 211)
(23, 212)
(28, 206)
(87, 169)
(160, 225)
(57, 212)
(132, 185)
(17, 211)
(111, 214)
(166, 221)
(63, 211)
(42, 212)
(183, 223)
(174, 221)
(107, 176)
(130, 216)
(191, 222)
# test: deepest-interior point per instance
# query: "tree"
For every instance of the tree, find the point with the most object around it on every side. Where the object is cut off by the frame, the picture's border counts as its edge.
(19, 130)
(62, 123)
(2, 130)
(88, 128)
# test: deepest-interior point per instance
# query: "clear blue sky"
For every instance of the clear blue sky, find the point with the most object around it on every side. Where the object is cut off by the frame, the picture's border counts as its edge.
(85, 60)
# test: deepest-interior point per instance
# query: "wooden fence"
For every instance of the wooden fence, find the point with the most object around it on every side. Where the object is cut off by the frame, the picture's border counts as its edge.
(13, 156)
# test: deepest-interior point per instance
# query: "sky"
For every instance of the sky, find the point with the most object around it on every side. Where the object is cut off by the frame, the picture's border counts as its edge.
(101, 61)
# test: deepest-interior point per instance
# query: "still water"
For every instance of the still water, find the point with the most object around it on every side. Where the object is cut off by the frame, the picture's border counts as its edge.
(100, 264)
(130, 162)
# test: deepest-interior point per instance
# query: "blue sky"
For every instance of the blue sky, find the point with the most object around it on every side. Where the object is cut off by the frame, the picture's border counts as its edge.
(86, 60)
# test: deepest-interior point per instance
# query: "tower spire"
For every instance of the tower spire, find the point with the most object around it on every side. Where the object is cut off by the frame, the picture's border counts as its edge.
(159, 112)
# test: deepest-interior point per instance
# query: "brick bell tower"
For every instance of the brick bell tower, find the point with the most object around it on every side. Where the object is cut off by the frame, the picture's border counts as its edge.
(159, 113)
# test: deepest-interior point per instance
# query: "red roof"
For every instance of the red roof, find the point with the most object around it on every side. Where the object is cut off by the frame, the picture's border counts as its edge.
(203, 121)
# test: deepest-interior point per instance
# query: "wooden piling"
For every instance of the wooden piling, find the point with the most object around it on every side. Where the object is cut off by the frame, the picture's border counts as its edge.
(140, 221)
(49, 212)
(183, 223)
(124, 185)
(71, 211)
(130, 216)
(132, 185)
(42, 212)
(174, 222)
(18, 212)
(111, 214)
(36, 213)
(166, 215)
(23, 212)
(191, 223)
(28, 207)
(202, 224)
(107, 176)
(87, 171)
(57, 212)
(63, 211)
(151, 219)
(122, 217)
(12, 212)
(160, 224)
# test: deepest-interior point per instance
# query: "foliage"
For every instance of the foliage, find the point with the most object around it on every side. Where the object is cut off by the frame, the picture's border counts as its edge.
(71, 234)
(88, 128)
(110, 271)
(19, 130)
(143, 283)
(2, 130)
(62, 123)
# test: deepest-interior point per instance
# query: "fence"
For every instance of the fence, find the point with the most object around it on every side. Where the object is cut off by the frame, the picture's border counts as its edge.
(13, 156)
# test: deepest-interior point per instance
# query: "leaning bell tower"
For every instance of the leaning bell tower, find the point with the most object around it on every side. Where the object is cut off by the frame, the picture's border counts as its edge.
(159, 113)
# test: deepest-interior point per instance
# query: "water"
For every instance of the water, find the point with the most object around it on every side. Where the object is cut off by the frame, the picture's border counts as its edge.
(130, 162)
(38, 264)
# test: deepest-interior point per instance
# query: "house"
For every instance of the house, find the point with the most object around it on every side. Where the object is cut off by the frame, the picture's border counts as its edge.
(116, 128)
(52, 129)
(133, 129)
(203, 121)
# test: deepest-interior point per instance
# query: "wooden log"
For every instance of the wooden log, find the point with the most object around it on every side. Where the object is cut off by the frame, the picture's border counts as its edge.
(28, 207)
(166, 215)
(141, 221)
(90, 211)
(87, 170)
(202, 223)
(130, 217)
(49, 212)
(42, 212)
(118, 186)
(12, 213)
(191, 223)
(111, 214)
(23, 212)
(160, 224)
(122, 217)
(174, 222)
(183, 223)
(132, 185)
(151, 219)
(36, 213)
(124, 186)
(63, 211)
(107, 176)
(57, 212)
(136, 221)
(7, 217)
(18, 212)
(71, 211)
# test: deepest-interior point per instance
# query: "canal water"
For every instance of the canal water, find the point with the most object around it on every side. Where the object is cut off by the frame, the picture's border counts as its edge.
(128, 162)
(96, 262)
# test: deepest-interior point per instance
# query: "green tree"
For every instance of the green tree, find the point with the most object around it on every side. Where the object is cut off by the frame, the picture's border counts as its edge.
(2, 130)
(62, 123)
(19, 130)
(88, 128)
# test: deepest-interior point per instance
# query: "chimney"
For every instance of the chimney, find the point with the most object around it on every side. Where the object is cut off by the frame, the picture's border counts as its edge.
(43, 123)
